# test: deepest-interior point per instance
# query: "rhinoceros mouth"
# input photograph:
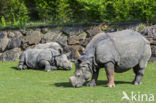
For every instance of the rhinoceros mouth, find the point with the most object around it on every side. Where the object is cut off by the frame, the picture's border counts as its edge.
(75, 82)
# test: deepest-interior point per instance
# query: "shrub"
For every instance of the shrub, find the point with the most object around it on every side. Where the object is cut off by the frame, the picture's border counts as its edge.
(3, 21)
(15, 12)
(119, 10)
(19, 12)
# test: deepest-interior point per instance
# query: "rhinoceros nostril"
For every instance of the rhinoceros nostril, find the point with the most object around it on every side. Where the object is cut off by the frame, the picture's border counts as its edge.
(72, 81)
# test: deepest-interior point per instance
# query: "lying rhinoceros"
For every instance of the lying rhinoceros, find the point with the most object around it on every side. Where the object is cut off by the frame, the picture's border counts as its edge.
(47, 58)
(117, 51)
(50, 45)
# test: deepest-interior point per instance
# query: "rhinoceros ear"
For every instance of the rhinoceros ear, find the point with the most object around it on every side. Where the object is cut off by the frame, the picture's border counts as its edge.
(60, 51)
(79, 60)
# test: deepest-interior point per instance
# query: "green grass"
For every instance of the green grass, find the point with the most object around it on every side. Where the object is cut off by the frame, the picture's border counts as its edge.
(36, 86)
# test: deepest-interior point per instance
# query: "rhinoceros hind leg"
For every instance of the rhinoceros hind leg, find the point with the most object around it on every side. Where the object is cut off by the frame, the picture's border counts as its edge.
(139, 73)
(94, 79)
(109, 68)
(46, 64)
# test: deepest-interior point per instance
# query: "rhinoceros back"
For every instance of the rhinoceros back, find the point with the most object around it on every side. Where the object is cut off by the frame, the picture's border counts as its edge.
(90, 48)
(125, 48)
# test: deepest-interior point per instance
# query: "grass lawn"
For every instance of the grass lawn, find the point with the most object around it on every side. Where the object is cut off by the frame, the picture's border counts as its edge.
(36, 86)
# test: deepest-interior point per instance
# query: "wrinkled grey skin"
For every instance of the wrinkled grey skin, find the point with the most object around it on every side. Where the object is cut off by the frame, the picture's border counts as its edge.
(116, 52)
(82, 74)
(50, 45)
(43, 58)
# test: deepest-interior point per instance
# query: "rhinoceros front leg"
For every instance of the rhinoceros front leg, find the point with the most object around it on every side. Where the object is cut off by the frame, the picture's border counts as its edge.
(53, 68)
(139, 73)
(20, 66)
(46, 64)
(94, 79)
(22, 62)
(109, 68)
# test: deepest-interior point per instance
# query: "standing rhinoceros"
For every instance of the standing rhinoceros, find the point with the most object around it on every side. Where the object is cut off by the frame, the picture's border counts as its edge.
(47, 58)
(117, 51)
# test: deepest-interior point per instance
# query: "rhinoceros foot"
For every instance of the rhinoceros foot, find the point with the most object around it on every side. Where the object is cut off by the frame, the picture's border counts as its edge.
(136, 83)
(91, 84)
(25, 67)
(20, 67)
(110, 85)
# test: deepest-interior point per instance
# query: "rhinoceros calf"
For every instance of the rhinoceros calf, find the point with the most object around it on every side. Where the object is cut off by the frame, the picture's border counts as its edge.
(47, 58)
(117, 51)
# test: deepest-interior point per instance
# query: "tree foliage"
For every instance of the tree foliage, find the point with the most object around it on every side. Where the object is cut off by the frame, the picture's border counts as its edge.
(13, 12)
(65, 11)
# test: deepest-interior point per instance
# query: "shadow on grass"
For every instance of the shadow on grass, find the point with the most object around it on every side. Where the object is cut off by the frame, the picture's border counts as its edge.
(104, 82)
(99, 83)
(15, 68)
(63, 84)
(40, 69)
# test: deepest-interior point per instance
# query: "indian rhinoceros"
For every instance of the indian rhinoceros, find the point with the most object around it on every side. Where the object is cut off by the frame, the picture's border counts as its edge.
(50, 45)
(116, 52)
(43, 58)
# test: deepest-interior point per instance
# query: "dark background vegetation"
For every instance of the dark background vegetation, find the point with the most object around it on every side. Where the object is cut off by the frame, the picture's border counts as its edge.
(24, 12)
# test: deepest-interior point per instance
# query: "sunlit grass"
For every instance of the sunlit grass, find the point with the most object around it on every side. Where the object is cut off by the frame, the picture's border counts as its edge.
(37, 86)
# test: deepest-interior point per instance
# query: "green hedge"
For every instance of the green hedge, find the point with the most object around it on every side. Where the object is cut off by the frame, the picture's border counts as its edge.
(66, 11)
(13, 12)
(119, 10)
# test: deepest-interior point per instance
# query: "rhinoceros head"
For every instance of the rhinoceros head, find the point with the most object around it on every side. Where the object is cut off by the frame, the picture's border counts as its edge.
(81, 74)
(62, 61)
